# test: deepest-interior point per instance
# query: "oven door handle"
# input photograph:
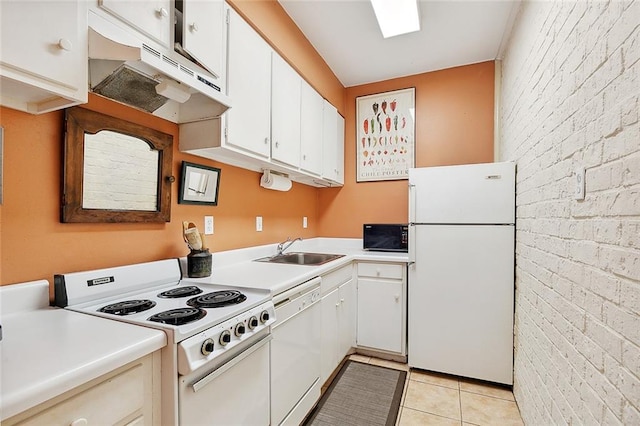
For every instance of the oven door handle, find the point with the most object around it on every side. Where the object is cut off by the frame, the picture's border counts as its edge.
(230, 364)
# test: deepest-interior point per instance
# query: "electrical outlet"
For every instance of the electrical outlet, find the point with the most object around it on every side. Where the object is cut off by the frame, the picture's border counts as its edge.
(580, 183)
(304, 222)
(208, 225)
(259, 223)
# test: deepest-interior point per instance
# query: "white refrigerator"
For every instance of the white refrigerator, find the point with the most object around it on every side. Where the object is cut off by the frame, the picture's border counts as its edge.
(461, 270)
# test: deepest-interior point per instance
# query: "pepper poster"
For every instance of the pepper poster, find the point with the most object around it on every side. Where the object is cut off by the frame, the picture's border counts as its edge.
(385, 131)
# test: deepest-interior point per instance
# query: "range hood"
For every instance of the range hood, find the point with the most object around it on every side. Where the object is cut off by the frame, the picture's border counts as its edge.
(129, 71)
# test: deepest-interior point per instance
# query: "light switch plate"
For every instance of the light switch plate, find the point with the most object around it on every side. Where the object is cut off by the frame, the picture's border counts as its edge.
(580, 184)
(259, 223)
(208, 225)
(304, 222)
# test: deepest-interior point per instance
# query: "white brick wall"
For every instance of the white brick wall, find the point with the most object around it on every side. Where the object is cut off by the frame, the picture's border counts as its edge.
(570, 99)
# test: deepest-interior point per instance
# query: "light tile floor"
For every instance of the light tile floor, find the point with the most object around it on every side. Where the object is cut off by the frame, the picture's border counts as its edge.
(439, 399)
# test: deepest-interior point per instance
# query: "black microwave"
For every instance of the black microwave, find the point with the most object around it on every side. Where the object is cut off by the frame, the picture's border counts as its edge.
(385, 237)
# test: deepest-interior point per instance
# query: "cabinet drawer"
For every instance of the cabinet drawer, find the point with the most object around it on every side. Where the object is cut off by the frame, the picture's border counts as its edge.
(118, 400)
(381, 270)
(334, 278)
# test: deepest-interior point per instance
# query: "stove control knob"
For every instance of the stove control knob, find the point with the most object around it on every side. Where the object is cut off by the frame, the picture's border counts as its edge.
(239, 330)
(225, 337)
(207, 347)
(253, 322)
(264, 316)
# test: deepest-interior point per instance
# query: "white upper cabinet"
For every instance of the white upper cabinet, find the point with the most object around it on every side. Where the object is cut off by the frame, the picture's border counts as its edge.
(285, 112)
(151, 17)
(249, 85)
(332, 144)
(43, 65)
(277, 122)
(329, 130)
(339, 159)
(311, 104)
(202, 32)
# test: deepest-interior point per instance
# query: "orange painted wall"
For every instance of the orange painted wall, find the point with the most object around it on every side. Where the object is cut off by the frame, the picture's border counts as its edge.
(36, 245)
(454, 125)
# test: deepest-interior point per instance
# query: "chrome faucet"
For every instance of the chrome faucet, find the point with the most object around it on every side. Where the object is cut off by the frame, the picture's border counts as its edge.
(283, 245)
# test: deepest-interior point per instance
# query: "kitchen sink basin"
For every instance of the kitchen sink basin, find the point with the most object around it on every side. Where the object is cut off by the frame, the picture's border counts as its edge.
(301, 258)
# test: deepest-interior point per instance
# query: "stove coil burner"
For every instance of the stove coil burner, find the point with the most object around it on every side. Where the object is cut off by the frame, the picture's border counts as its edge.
(182, 291)
(217, 299)
(128, 307)
(178, 316)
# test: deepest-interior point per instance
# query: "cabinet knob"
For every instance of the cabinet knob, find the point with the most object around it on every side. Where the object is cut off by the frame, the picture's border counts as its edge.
(304, 157)
(277, 144)
(337, 305)
(162, 12)
(266, 141)
(194, 27)
(397, 296)
(79, 422)
(65, 44)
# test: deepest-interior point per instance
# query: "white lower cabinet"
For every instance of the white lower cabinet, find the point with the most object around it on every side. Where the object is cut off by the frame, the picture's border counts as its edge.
(382, 307)
(338, 318)
(127, 396)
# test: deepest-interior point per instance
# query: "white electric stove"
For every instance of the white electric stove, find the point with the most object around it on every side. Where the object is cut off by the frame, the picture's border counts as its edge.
(218, 335)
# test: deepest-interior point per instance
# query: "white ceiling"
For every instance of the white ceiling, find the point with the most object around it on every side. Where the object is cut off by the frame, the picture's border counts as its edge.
(454, 33)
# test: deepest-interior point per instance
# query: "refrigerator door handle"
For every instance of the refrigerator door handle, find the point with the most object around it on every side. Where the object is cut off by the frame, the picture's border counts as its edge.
(412, 244)
(412, 204)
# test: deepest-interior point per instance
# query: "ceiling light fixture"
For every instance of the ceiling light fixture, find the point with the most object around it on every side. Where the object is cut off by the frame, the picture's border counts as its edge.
(396, 17)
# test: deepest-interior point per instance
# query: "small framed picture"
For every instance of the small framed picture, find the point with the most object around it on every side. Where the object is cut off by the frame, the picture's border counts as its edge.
(199, 184)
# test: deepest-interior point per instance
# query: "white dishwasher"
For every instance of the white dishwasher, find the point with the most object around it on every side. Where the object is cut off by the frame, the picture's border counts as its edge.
(295, 353)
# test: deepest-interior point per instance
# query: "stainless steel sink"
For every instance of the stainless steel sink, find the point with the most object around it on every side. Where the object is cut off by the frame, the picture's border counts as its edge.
(300, 258)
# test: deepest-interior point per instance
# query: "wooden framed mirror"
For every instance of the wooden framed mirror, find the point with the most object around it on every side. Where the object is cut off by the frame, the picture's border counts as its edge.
(114, 170)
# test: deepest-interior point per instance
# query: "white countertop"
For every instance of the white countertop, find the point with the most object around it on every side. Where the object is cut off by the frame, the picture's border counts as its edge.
(238, 267)
(48, 351)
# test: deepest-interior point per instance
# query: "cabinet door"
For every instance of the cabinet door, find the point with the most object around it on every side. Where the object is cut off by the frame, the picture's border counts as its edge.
(380, 314)
(310, 130)
(249, 85)
(329, 131)
(339, 176)
(347, 319)
(44, 54)
(285, 113)
(329, 335)
(151, 17)
(203, 30)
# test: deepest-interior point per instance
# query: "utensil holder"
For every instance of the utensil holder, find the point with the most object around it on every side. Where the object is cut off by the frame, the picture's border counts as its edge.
(199, 263)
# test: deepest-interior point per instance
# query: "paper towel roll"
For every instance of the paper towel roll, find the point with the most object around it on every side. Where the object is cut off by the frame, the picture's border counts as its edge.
(275, 182)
